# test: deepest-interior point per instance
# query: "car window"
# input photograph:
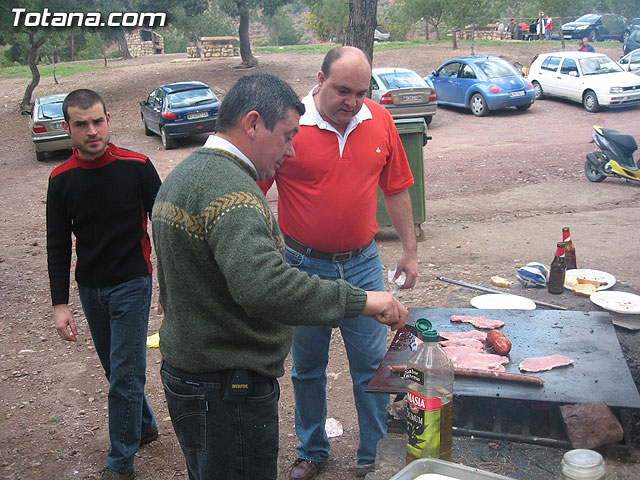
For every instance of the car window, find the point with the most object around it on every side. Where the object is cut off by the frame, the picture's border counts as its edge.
(569, 65)
(152, 97)
(551, 63)
(493, 69)
(50, 110)
(635, 58)
(588, 18)
(467, 72)
(598, 65)
(401, 80)
(374, 84)
(158, 100)
(189, 98)
(450, 70)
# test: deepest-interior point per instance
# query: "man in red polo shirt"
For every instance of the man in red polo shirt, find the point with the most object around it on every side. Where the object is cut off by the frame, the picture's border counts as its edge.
(347, 146)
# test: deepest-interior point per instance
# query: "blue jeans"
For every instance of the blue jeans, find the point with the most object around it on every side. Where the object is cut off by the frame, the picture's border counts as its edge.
(365, 341)
(118, 318)
(221, 439)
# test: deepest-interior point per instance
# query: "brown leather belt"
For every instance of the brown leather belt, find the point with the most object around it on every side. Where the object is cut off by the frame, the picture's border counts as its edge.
(313, 253)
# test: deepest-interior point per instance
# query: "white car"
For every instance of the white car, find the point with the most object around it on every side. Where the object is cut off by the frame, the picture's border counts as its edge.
(592, 79)
(631, 62)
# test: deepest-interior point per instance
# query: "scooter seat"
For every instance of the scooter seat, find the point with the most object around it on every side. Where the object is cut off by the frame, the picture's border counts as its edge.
(626, 143)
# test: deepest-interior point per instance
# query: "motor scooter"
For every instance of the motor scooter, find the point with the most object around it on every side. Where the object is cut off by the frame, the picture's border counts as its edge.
(615, 158)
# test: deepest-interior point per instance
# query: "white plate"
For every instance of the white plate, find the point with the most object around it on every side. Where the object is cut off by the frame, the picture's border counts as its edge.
(619, 302)
(571, 275)
(503, 301)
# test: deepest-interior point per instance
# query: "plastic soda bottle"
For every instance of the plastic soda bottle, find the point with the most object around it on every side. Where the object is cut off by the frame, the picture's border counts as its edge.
(429, 398)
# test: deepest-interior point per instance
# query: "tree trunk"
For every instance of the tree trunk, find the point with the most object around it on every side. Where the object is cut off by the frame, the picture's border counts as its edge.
(35, 73)
(426, 31)
(248, 60)
(73, 44)
(124, 48)
(473, 40)
(53, 61)
(453, 37)
(361, 26)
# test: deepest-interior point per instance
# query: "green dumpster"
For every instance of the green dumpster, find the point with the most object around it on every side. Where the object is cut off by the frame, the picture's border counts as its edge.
(413, 134)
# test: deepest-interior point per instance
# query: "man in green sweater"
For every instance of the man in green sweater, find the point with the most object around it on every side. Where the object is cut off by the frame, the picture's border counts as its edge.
(230, 299)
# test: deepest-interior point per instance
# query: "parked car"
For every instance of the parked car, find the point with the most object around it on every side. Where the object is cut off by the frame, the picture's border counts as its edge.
(45, 125)
(481, 83)
(178, 110)
(633, 41)
(590, 78)
(631, 62)
(596, 26)
(404, 93)
(378, 36)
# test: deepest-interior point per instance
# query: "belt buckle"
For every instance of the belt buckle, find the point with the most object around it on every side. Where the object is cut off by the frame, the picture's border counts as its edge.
(341, 256)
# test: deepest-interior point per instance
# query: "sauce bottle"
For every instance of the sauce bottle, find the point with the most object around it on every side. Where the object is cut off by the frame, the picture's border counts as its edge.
(429, 398)
(557, 271)
(569, 250)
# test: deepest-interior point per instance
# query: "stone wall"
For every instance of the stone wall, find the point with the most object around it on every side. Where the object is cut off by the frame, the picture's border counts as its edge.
(208, 51)
(144, 42)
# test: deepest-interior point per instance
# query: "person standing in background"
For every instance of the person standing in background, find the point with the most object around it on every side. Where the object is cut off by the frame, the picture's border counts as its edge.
(104, 195)
(327, 201)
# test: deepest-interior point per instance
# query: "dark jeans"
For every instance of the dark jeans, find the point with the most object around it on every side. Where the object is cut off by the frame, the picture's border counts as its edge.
(118, 318)
(223, 440)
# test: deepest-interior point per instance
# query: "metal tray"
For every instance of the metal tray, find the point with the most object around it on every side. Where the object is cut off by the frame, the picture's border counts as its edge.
(442, 467)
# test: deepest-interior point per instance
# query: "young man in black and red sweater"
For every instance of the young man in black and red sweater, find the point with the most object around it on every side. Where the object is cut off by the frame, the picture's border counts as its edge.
(104, 195)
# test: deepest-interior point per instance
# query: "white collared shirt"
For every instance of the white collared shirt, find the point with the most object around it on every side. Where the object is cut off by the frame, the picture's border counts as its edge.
(220, 143)
(313, 118)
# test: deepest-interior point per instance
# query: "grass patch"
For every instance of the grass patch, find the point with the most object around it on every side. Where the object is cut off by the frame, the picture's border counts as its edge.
(64, 69)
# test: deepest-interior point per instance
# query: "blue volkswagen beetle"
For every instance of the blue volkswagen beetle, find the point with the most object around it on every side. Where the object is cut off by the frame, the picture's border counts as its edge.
(481, 83)
(179, 110)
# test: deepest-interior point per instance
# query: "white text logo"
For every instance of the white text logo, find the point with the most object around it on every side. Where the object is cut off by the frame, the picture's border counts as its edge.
(89, 19)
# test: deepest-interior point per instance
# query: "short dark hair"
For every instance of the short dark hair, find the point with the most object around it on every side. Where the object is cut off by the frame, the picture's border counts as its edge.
(268, 95)
(83, 98)
(333, 55)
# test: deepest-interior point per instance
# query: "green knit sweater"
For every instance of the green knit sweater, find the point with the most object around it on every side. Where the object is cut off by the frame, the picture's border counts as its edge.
(229, 297)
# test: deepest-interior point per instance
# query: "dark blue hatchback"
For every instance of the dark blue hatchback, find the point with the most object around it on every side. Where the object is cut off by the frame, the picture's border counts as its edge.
(179, 109)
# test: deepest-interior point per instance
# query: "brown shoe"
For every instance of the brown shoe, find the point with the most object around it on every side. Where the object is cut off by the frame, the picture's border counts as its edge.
(304, 469)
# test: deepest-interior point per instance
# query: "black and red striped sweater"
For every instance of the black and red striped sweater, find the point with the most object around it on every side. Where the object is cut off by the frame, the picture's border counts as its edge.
(105, 203)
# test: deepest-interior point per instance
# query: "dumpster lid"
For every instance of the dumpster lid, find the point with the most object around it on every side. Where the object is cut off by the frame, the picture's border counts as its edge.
(410, 125)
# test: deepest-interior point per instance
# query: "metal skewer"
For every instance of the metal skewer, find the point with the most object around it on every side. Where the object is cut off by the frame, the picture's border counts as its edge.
(491, 290)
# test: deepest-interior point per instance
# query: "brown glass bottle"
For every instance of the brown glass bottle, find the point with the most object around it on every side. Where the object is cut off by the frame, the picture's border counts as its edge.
(557, 271)
(569, 250)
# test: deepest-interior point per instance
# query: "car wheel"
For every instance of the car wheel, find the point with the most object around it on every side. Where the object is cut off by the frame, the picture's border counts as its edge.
(537, 88)
(40, 156)
(590, 101)
(167, 142)
(478, 105)
(523, 107)
(147, 132)
(592, 36)
(428, 119)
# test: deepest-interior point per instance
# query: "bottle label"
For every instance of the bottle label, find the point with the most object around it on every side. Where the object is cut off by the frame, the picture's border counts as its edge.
(423, 425)
(414, 375)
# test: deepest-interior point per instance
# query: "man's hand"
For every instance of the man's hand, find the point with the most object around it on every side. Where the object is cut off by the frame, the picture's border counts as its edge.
(408, 264)
(64, 323)
(386, 309)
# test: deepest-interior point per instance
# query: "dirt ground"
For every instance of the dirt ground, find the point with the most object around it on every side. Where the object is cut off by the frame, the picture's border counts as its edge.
(498, 190)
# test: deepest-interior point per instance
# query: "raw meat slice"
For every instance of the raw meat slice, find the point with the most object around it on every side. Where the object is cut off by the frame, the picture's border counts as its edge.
(479, 321)
(462, 342)
(454, 352)
(477, 334)
(540, 364)
(482, 357)
(479, 365)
